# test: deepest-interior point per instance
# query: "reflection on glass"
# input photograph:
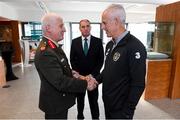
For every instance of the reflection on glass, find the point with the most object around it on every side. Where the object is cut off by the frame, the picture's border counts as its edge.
(163, 38)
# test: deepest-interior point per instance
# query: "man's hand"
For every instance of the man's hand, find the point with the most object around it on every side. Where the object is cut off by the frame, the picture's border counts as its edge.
(75, 74)
(92, 83)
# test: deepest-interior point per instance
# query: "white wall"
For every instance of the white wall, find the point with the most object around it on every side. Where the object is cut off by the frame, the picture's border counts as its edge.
(7, 11)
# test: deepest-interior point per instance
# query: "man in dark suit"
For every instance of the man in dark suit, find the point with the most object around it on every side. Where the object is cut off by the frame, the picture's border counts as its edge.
(58, 87)
(86, 57)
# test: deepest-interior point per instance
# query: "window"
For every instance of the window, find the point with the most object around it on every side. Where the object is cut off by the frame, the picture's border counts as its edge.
(143, 31)
(95, 30)
(31, 30)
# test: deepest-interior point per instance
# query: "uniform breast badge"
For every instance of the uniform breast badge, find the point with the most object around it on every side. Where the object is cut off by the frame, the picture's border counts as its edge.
(116, 56)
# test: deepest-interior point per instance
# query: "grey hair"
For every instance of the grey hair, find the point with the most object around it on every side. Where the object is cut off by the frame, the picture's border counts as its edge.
(48, 19)
(117, 10)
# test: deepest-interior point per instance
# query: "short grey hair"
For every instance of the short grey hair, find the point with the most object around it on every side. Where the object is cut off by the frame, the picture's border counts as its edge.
(48, 19)
(117, 10)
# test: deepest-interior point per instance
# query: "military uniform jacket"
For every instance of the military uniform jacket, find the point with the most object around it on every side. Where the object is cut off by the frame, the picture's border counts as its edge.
(123, 76)
(58, 88)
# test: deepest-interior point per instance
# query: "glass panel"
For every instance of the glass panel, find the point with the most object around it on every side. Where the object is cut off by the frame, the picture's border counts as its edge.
(75, 30)
(32, 31)
(27, 29)
(143, 31)
(37, 27)
(163, 38)
(95, 30)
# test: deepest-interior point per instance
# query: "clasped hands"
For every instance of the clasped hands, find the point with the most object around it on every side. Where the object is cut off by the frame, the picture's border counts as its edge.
(92, 83)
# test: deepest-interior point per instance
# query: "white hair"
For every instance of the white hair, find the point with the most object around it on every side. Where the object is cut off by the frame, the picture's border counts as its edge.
(117, 10)
(49, 19)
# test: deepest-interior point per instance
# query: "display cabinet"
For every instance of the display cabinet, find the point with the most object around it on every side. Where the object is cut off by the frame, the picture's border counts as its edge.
(163, 37)
(171, 13)
(159, 63)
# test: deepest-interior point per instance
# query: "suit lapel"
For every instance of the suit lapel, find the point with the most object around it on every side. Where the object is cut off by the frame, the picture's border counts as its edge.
(80, 46)
(91, 45)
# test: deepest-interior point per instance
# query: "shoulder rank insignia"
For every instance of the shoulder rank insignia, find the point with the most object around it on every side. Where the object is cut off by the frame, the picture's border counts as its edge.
(51, 44)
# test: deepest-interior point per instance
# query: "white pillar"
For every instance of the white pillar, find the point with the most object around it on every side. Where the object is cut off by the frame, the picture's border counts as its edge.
(26, 53)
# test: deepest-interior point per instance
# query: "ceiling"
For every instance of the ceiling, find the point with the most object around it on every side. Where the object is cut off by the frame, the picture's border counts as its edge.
(74, 10)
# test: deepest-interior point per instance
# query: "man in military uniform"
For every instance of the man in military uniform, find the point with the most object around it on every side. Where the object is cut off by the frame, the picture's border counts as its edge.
(123, 76)
(58, 87)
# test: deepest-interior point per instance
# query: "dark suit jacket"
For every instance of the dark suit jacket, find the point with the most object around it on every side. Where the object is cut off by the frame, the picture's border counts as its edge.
(90, 64)
(58, 88)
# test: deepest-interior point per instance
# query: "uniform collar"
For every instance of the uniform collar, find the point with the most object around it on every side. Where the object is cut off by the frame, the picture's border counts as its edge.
(57, 45)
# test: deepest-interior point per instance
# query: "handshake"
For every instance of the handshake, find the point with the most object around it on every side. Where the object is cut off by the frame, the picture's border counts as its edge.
(92, 83)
